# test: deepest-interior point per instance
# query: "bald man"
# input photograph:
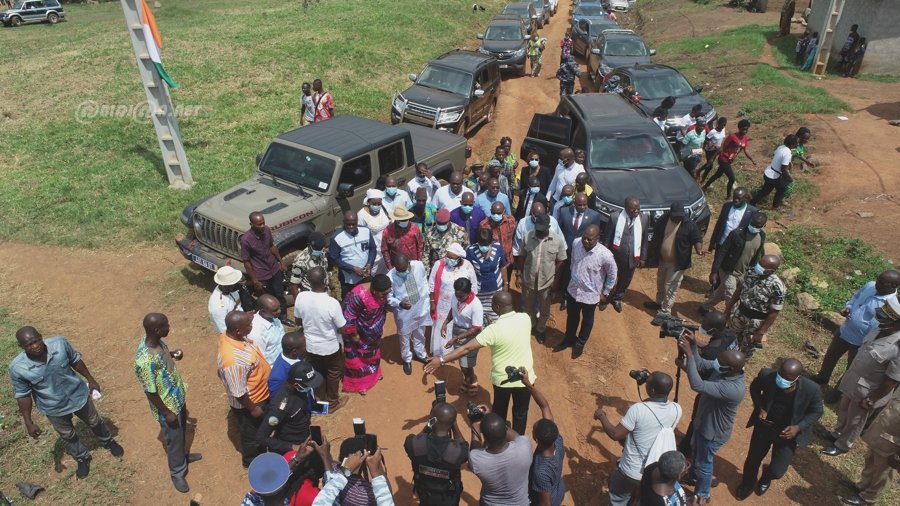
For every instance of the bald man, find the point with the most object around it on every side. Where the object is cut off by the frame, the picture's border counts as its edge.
(450, 197)
(566, 172)
(437, 454)
(262, 260)
(785, 407)
(352, 250)
(267, 329)
(756, 303)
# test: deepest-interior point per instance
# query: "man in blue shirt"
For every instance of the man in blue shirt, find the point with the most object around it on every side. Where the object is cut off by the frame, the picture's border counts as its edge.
(293, 348)
(860, 314)
(45, 374)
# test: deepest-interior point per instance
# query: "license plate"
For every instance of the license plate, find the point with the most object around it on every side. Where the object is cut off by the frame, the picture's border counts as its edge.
(503, 66)
(203, 262)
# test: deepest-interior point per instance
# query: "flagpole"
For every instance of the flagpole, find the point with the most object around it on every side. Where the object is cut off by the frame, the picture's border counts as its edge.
(159, 102)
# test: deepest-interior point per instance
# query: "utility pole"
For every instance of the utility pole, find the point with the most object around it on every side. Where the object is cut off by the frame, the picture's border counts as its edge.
(162, 113)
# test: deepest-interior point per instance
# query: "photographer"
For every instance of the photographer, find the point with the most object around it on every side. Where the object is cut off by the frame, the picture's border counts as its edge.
(642, 424)
(545, 483)
(437, 454)
(714, 416)
(344, 483)
(500, 457)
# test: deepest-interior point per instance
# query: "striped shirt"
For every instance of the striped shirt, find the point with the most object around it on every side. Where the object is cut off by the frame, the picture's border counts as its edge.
(359, 492)
(243, 370)
(487, 270)
(593, 273)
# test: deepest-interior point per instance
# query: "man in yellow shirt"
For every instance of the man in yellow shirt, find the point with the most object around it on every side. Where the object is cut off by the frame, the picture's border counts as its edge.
(509, 339)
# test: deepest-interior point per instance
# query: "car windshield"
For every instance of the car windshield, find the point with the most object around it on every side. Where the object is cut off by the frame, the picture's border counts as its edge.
(594, 10)
(503, 32)
(445, 79)
(660, 86)
(298, 166)
(19, 5)
(538, 4)
(631, 151)
(625, 47)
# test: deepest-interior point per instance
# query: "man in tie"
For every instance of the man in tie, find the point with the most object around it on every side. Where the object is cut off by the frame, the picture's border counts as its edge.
(573, 221)
(530, 196)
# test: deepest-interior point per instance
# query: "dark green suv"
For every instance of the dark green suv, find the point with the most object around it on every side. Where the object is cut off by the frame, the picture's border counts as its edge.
(33, 11)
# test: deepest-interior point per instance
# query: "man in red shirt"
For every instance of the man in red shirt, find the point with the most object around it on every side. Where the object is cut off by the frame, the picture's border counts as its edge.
(731, 147)
(502, 227)
(399, 237)
(262, 261)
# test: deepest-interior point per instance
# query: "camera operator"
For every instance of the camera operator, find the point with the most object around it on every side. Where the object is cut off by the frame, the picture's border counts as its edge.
(437, 454)
(720, 396)
(344, 483)
(545, 483)
(500, 457)
(639, 429)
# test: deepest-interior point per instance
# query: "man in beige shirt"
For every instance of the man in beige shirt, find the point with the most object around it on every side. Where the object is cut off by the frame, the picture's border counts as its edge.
(537, 272)
(672, 241)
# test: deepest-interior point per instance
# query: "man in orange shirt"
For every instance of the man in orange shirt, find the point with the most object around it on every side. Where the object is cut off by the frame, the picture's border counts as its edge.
(244, 372)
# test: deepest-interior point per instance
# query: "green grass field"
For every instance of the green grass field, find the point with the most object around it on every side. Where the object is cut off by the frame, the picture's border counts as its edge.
(98, 181)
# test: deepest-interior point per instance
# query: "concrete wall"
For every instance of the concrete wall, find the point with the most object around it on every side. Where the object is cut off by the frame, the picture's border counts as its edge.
(879, 23)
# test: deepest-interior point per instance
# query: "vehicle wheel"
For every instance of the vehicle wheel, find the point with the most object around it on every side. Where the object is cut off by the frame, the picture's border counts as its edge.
(53, 18)
(463, 128)
(490, 113)
(16, 21)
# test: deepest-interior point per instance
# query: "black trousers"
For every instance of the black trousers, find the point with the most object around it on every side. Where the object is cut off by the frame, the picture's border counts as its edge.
(726, 170)
(762, 440)
(624, 277)
(565, 275)
(520, 400)
(249, 426)
(275, 286)
(836, 350)
(780, 187)
(577, 312)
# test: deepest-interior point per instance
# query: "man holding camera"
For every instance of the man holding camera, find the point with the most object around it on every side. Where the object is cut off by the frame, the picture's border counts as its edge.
(437, 455)
(501, 458)
(642, 424)
(545, 483)
(720, 396)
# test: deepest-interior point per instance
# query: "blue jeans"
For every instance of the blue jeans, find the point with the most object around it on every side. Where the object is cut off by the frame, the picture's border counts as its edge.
(701, 471)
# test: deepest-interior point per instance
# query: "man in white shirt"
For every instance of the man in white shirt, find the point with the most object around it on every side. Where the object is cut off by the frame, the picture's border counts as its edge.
(526, 225)
(423, 179)
(226, 296)
(567, 197)
(566, 171)
(777, 175)
(448, 197)
(266, 331)
(307, 106)
(323, 321)
(410, 301)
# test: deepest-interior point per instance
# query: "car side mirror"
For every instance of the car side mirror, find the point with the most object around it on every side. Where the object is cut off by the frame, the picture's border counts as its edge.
(699, 88)
(413, 77)
(258, 159)
(479, 93)
(595, 51)
(480, 36)
(652, 52)
(345, 190)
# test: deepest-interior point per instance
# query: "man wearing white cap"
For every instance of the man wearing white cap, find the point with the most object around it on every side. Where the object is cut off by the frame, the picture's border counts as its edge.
(226, 296)
(373, 217)
(872, 377)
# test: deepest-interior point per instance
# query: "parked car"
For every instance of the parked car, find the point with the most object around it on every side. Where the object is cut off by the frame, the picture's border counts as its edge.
(627, 154)
(654, 82)
(588, 11)
(621, 5)
(586, 31)
(33, 11)
(543, 9)
(524, 10)
(615, 48)
(505, 40)
(456, 92)
(305, 181)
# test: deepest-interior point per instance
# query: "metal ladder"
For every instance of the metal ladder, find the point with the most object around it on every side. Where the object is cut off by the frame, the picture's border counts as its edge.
(160, 104)
(826, 37)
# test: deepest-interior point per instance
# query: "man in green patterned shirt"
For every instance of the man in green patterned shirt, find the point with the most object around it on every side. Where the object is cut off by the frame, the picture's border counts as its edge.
(154, 365)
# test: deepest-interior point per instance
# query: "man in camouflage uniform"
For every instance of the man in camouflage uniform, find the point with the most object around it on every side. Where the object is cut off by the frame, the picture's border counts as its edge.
(441, 236)
(756, 303)
(312, 256)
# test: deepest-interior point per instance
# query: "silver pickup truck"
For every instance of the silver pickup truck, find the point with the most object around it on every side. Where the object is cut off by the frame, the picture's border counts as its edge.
(307, 178)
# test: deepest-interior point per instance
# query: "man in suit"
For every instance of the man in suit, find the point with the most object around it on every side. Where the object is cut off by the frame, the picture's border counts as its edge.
(734, 215)
(785, 407)
(626, 236)
(573, 221)
(530, 196)
(673, 239)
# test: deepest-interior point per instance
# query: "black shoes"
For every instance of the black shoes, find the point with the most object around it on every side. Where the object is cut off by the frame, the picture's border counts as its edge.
(421, 360)
(764, 483)
(115, 449)
(827, 435)
(743, 491)
(577, 351)
(541, 337)
(181, 484)
(407, 368)
(193, 457)
(833, 451)
(84, 468)
(602, 307)
(617, 305)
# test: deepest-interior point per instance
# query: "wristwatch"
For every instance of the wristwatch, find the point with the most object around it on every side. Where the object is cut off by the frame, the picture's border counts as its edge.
(441, 360)
(346, 472)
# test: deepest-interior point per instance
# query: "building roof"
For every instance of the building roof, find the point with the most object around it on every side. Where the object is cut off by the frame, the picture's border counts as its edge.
(344, 136)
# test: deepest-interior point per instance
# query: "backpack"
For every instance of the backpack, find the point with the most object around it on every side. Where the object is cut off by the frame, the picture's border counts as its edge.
(664, 441)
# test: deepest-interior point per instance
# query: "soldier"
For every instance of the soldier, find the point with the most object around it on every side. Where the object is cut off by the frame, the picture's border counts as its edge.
(313, 256)
(756, 303)
(883, 457)
(442, 235)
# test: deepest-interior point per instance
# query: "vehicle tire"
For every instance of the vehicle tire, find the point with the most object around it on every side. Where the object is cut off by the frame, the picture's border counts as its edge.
(490, 113)
(53, 18)
(463, 128)
(16, 21)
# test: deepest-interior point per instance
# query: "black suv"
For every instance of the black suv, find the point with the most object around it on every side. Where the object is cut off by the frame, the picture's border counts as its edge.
(505, 39)
(627, 154)
(615, 48)
(654, 82)
(456, 91)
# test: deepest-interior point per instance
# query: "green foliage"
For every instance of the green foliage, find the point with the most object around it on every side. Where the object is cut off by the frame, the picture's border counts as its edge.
(879, 78)
(831, 268)
(779, 96)
(747, 39)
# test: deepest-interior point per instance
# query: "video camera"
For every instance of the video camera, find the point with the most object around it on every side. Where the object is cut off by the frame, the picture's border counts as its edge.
(639, 375)
(472, 411)
(673, 327)
(512, 375)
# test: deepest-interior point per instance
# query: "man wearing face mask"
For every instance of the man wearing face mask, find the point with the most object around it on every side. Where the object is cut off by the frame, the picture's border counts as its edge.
(785, 407)
(503, 229)
(567, 197)
(487, 199)
(627, 233)
(530, 195)
(352, 250)
(534, 168)
(400, 237)
(573, 221)
(756, 303)
(720, 396)
(537, 272)
(309, 258)
(672, 241)
(735, 214)
(868, 383)
(267, 330)
(527, 225)
(439, 238)
(423, 179)
(394, 197)
(449, 197)
(565, 173)
(741, 250)
(468, 216)
(409, 301)
(423, 211)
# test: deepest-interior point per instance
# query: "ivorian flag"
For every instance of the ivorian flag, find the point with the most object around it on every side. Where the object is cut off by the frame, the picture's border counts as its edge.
(154, 43)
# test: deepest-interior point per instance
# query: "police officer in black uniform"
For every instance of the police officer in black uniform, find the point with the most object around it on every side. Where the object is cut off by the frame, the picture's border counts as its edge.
(437, 455)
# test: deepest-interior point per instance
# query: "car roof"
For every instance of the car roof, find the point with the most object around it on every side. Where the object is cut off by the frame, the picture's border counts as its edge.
(506, 19)
(345, 136)
(462, 59)
(604, 109)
